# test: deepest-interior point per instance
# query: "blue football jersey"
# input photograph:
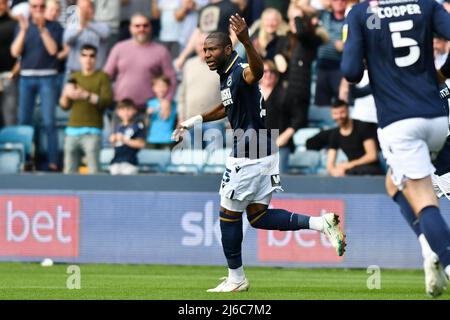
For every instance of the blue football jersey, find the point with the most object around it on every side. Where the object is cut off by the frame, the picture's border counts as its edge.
(394, 38)
(124, 153)
(244, 105)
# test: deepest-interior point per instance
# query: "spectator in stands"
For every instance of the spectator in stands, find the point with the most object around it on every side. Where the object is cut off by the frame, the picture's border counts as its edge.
(127, 10)
(87, 93)
(267, 32)
(160, 129)
(364, 109)
(83, 31)
(281, 5)
(212, 17)
(329, 55)
(319, 141)
(278, 116)
(198, 91)
(37, 43)
(169, 34)
(53, 10)
(187, 15)
(358, 141)
(127, 139)
(297, 51)
(134, 63)
(251, 9)
(53, 13)
(8, 72)
(108, 11)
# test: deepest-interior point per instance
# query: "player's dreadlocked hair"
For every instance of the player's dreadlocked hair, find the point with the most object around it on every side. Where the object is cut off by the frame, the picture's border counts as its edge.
(223, 38)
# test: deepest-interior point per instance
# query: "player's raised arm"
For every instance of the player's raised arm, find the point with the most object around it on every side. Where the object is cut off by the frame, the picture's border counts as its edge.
(256, 70)
(352, 65)
(217, 113)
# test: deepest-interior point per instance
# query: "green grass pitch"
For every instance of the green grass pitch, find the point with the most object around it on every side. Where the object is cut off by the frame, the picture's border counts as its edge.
(31, 281)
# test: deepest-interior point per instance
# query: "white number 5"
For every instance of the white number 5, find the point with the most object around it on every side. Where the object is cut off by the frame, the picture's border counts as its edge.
(400, 42)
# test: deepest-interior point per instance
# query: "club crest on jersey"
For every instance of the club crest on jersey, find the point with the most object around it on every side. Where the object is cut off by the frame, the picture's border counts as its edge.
(229, 81)
(129, 132)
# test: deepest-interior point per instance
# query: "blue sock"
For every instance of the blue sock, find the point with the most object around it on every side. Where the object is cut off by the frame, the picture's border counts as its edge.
(436, 232)
(407, 212)
(231, 228)
(278, 219)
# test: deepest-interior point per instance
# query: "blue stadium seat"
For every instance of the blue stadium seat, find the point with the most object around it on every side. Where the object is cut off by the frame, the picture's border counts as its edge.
(216, 161)
(304, 162)
(10, 161)
(187, 161)
(15, 147)
(106, 155)
(303, 134)
(19, 134)
(153, 160)
(18, 137)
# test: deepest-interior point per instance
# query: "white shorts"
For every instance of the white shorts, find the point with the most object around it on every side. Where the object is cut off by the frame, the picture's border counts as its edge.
(248, 181)
(441, 185)
(123, 168)
(407, 144)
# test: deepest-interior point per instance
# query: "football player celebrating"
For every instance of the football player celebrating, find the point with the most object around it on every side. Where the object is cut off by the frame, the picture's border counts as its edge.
(251, 174)
(397, 48)
(441, 178)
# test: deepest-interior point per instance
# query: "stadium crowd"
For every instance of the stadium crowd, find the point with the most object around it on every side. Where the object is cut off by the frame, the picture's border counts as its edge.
(122, 73)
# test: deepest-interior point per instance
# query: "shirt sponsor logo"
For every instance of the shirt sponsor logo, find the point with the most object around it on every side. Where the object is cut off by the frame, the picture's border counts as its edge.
(226, 97)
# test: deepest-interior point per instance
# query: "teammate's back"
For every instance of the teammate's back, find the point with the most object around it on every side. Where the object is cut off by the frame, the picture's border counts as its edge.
(395, 37)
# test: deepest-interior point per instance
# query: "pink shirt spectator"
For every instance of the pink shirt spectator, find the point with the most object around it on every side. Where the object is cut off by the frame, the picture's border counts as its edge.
(133, 66)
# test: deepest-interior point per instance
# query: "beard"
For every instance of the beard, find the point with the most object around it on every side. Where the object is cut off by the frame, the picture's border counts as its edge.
(141, 38)
(345, 122)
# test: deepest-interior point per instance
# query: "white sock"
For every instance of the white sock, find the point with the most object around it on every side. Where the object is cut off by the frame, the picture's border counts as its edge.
(236, 275)
(426, 249)
(447, 271)
(316, 223)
